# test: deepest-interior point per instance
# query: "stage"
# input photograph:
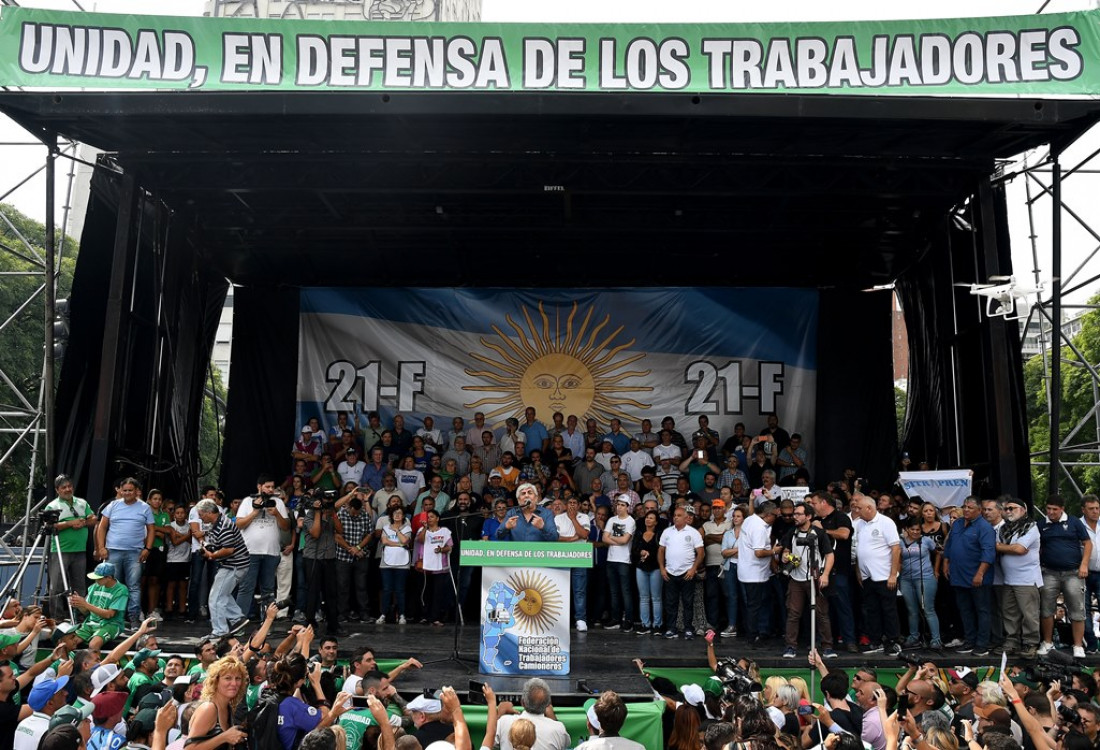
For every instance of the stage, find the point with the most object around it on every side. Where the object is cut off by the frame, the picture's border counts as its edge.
(602, 659)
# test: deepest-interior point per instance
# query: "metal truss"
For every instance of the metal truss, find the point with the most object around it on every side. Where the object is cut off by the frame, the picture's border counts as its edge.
(1073, 448)
(25, 414)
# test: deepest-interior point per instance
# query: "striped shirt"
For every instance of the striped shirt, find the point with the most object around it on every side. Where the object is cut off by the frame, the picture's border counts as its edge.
(224, 534)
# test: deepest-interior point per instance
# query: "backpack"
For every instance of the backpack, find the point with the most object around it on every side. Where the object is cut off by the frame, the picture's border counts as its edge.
(262, 722)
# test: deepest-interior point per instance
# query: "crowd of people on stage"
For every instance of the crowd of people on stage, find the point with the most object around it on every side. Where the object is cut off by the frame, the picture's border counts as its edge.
(688, 534)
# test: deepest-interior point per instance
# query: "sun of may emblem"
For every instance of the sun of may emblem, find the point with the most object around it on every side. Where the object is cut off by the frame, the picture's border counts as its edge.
(541, 604)
(575, 371)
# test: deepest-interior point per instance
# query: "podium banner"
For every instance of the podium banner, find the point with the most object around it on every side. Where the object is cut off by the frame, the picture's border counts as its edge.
(525, 597)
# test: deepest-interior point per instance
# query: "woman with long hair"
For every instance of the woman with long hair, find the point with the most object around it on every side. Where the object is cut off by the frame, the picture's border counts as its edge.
(296, 717)
(647, 573)
(729, 574)
(212, 723)
(685, 729)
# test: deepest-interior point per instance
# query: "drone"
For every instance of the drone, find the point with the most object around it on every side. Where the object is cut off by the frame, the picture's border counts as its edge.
(1002, 295)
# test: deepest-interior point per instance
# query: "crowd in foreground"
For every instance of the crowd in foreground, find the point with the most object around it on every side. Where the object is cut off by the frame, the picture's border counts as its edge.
(688, 534)
(275, 693)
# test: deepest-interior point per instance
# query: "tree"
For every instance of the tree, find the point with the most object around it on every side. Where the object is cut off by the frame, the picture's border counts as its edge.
(211, 428)
(21, 343)
(900, 402)
(1080, 395)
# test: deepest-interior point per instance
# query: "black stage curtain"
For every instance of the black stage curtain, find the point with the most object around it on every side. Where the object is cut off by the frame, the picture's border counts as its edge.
(856, 421)
(167, 322)
(263, 381)
(966, 392)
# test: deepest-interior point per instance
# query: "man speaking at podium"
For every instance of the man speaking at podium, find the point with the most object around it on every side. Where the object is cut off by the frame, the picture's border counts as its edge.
(528, 522)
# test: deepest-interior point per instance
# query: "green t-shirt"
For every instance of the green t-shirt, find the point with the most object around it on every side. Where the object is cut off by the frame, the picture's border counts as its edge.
(137, 680)
(355, 723)
(160, 518)
(252, 695)
(197, 669)
(71, 540)
(114, 598)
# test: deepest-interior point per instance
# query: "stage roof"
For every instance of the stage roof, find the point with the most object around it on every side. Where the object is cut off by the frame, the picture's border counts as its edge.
(597, 189)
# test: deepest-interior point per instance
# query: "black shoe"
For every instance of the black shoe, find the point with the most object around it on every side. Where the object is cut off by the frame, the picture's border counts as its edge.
(238, 625)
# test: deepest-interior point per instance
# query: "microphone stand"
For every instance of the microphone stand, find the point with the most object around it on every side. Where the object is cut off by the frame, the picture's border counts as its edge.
(456, 657)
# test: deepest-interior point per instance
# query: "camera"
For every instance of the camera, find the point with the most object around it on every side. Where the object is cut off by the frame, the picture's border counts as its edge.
(917, 657)
(324, 499)
(211, 548)
(263, 501)
(735, 680)
(47, 519)
(1054, 666)
(284, 603)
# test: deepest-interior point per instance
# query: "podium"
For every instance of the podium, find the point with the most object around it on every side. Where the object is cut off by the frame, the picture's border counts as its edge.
(525, 600)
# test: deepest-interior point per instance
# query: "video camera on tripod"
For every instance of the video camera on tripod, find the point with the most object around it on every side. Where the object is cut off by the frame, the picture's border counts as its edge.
(46, 521)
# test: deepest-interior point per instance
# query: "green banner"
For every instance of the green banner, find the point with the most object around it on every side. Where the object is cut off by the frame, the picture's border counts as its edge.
(526, 554)
(1055, 55)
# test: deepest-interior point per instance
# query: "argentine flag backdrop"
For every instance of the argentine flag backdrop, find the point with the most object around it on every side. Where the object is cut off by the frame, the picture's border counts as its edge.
(732, 354)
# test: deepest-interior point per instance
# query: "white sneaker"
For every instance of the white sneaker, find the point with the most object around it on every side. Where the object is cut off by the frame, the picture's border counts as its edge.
(582, 626)
(156, 615)
(381, 620)
(1045, 648)
(401, 620)
(1078, 652)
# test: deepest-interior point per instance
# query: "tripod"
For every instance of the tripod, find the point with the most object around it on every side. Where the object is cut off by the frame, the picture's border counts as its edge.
(46, 532)
(456, 655)
(812, 577)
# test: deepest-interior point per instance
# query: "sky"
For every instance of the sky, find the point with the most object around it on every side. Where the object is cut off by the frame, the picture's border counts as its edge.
(1078, 192)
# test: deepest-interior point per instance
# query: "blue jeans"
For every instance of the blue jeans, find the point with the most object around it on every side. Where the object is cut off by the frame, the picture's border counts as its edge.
(261, 571)
(975, 603)
(911, 592)
(578, 579)
(733, 594)
(840, 606)
(622, 597)
(758, 617)
(1092, 588)
(393, 587)
(650, 587)
(223, 607)
(713, 588)
(129, 566)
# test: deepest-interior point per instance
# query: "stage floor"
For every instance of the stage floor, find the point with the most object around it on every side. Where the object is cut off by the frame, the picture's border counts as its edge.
(602, 659)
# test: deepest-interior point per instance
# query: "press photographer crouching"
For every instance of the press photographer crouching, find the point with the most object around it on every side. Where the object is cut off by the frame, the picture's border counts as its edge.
(225, 546)
(319, 524)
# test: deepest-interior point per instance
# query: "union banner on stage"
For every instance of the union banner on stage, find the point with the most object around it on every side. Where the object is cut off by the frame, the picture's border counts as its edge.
(525, 597)
(943, 489)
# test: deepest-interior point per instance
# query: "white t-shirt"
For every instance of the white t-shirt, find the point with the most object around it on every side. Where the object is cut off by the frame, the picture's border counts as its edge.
(680, 546)
(392, 556)
(610, 743)
(193, 517)
(432, 438)
(712, 554)
(433, 560)
(666, 451)
(755, 534)
(874, 542)
(261, 537)
(410, 483)
(634, 462)
(616, 526)
(178, 553)
(566, 528)
(29, 732)
(549, 733)
(349, 473)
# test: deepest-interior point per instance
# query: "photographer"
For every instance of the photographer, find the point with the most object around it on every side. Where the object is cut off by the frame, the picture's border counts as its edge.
(225, 545)
(74, 518)
(809, 551)
(260, 520)
(320, 526)
(296, 718)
